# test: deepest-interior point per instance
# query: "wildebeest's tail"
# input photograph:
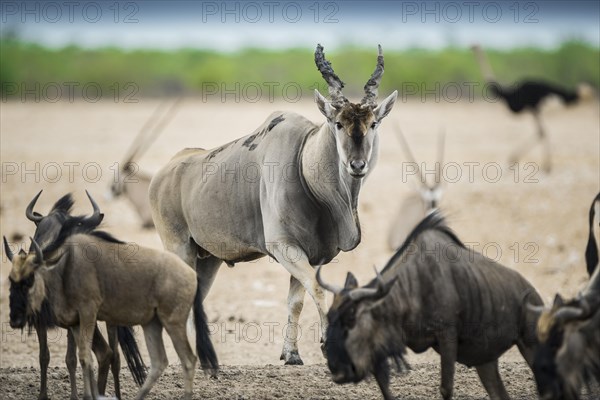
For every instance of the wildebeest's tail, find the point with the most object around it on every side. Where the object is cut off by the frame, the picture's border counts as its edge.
(132, 354)
(204, 346)
(591, 251)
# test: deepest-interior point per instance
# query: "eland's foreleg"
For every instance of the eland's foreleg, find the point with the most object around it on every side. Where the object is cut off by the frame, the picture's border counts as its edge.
(303, 279)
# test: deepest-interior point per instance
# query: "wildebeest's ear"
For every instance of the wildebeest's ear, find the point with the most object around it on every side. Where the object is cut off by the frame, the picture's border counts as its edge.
(324, 106)
(351, 282)
(385, 107)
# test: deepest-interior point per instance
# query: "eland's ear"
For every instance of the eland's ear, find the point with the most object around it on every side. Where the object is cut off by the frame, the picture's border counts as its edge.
(324, 106)
(351, 282)
(386, 106)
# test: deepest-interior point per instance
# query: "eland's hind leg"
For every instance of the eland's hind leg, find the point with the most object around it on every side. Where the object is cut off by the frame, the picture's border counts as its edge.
(185, 353)
(490, 378)
(158, 356)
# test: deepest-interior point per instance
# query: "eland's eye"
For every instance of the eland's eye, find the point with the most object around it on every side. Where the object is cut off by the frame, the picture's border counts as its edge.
(338, 125)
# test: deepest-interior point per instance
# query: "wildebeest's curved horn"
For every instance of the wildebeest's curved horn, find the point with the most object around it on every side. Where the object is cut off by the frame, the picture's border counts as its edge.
(372, 85)
(39, 256)
(97, 216)
(7, 250)
(326, 286)
(334, 82)
(535, 309)
(29, 211)
(382, 289)
(569, 313)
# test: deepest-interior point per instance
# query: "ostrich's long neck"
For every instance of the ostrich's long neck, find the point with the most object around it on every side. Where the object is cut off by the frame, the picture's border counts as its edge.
(484, 65)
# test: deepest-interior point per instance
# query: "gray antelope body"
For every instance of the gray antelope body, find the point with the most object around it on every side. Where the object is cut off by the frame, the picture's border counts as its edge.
(433, 293)
(288, 190)
(145, 287)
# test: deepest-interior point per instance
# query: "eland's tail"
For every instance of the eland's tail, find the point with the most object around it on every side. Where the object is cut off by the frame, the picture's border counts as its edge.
(591, 250)
(132, 354)
(204, 346)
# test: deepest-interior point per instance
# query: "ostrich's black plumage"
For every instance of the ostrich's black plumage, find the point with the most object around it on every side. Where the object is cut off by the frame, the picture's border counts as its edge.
(528, 94)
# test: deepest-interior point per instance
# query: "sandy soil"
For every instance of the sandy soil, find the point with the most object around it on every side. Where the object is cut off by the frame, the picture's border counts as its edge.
(530, 221)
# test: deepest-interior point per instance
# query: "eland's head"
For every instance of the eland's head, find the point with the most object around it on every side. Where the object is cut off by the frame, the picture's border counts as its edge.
(353, 125)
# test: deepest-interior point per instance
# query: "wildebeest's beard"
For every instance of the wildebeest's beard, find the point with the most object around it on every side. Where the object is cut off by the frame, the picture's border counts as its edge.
(341, 320)
(544, 366)
(18, 302)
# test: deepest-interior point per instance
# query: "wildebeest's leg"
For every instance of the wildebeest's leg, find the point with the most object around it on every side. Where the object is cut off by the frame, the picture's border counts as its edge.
(295, 302)
(490, 378)
(104, 355)
(158, 356)
(84, 334)
(115, 365)
(448, 349)
(382, 376)
(44, 358)
(527, 351)
(71, 361)
(184, 351)
(304, 273)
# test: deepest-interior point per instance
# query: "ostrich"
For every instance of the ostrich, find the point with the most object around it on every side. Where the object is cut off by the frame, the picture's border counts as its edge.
(528, 95)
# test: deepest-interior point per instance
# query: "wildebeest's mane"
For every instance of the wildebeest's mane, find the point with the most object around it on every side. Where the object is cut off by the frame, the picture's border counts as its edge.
(433, 221)
(64, 204)
(77, 225)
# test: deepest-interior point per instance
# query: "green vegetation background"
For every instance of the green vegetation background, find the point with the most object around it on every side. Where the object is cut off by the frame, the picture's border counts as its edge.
(157, 72)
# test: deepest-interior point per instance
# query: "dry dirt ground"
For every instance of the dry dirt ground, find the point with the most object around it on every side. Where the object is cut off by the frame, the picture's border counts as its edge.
(530, 221)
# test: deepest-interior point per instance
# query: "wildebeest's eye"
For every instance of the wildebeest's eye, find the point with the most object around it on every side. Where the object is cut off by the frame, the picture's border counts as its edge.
(338, 125)
(374, 125)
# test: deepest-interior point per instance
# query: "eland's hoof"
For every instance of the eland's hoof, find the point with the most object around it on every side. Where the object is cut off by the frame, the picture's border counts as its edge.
(292, 358)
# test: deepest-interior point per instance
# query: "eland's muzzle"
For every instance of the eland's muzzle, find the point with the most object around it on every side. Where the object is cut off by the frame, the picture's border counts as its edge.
(358, 168)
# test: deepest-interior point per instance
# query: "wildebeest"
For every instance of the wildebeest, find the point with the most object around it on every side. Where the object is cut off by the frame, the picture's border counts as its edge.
(424, 199)
(433, 293)
(568, 357)
(129, 180)
(48, 227)
(289, 190)
(145, 287)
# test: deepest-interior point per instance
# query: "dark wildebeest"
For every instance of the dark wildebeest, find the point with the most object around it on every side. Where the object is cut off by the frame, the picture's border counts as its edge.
(148, 287)
(433, 293)
(47, 230)
(289, 191)
(568, 356)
